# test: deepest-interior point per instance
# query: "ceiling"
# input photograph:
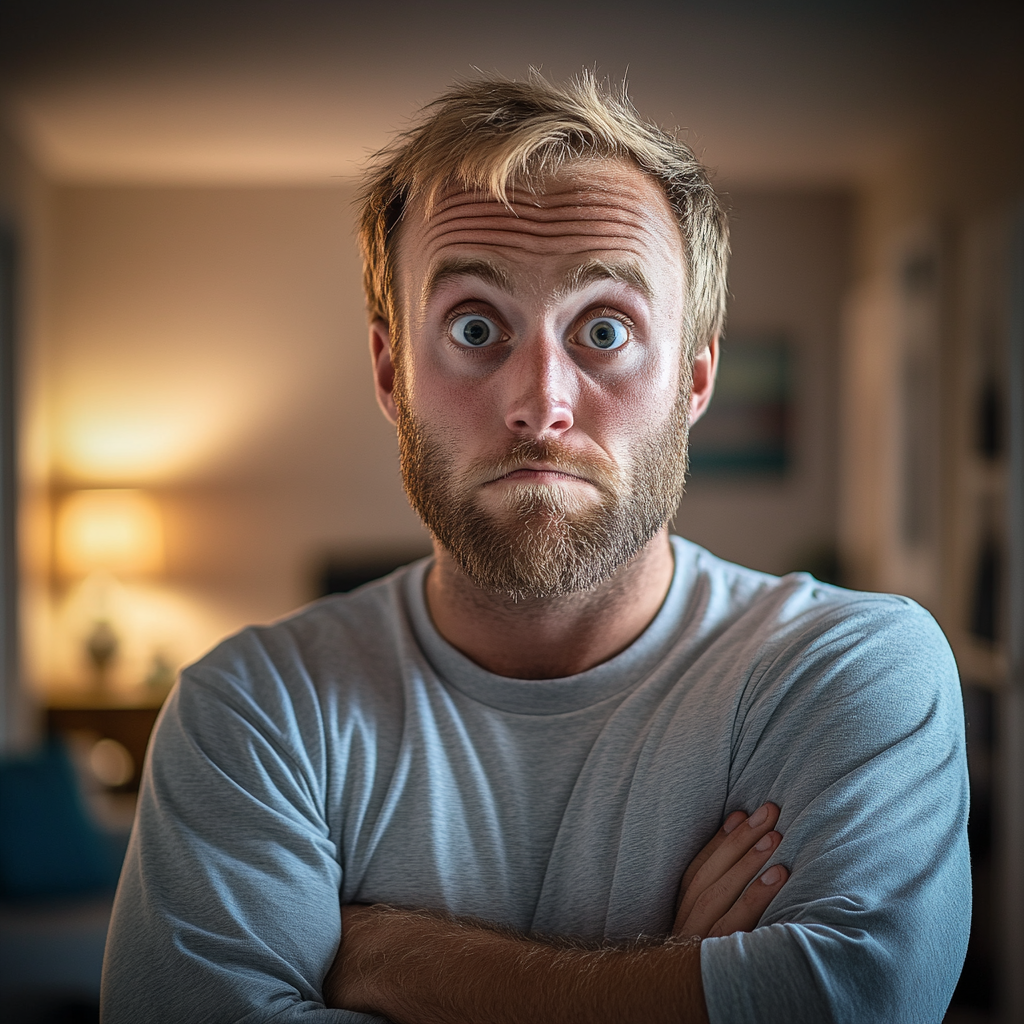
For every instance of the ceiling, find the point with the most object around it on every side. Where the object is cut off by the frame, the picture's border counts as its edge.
(302, 91)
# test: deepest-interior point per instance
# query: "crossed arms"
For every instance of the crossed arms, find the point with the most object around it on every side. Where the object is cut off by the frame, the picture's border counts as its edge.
(417, 968)
(228, 906)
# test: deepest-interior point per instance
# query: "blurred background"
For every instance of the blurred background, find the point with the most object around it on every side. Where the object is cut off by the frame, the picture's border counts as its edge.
(188, 436)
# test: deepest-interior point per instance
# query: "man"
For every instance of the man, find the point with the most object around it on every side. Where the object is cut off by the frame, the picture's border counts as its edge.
(486, 775)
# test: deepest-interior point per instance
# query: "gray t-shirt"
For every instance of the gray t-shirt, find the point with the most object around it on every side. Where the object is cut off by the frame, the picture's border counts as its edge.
(350, 750)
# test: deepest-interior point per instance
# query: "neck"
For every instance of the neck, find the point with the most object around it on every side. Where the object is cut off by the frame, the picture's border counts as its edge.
(546, 638)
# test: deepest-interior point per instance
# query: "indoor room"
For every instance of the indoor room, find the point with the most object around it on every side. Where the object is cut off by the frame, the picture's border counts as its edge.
(190, 441)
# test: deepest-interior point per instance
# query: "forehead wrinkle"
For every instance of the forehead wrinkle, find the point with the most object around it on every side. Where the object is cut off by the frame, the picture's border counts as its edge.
(503, 235)
(539, 203)
(529, 246)
(621, 203)
(556, 229)
(536, 243)
(541, 219)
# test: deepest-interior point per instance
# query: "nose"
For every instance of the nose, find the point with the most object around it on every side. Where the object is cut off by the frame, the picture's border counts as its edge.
(540, 390)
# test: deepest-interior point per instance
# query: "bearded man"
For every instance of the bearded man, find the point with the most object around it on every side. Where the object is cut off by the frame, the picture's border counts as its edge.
(483, 788)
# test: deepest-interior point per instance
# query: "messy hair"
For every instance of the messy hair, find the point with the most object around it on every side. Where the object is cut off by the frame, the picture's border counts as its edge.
(493, 135)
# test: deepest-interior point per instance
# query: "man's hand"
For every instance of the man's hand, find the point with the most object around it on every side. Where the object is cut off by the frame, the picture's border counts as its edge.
(715, 896)
(419, 968)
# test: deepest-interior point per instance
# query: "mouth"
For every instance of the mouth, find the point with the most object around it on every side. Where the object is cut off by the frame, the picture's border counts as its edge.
(539, 473)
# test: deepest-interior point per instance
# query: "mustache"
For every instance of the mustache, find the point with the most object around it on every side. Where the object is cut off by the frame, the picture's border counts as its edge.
(596, 468)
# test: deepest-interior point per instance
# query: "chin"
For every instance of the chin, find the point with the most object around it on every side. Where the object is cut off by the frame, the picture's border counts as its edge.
(539, 548)
(553, 501)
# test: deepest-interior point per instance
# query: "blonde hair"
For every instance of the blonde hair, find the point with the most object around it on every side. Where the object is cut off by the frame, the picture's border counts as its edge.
(494, 135)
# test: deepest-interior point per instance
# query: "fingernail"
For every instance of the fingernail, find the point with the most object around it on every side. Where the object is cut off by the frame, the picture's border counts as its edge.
(730, 823)
(772, 875)
(764, 843)
(759, 817)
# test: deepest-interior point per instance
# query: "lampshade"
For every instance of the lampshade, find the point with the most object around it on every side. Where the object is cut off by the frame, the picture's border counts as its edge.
(115, 529)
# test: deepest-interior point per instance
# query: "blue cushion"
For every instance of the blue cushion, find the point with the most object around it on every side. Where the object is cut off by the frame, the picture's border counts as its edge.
(49, 846)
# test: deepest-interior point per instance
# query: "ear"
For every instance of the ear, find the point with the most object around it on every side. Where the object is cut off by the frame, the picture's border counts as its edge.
(705, 366)
(383, 368)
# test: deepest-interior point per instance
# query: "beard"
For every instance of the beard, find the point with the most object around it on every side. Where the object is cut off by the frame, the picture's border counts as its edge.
(545, 540)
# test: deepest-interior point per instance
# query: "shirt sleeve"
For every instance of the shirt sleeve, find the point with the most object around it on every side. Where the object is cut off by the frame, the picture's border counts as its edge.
(227, 909)
(857, 733)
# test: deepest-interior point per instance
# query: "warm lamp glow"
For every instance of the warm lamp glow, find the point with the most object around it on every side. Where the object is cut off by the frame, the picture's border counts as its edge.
(116, 530)
(158, 427)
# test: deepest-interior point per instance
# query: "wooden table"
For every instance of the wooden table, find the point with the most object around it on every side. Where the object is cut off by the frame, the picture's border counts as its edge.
(130, 725)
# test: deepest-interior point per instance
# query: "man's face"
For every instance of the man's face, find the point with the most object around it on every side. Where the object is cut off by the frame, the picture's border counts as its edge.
(540, 393)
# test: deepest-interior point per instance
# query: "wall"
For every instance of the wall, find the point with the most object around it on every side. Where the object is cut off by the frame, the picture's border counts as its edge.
(210, 345)
(789, 274)
(925, 199)
(25, 208)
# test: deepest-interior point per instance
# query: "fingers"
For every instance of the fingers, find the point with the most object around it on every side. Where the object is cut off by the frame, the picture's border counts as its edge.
(715, 901)
(732, 863)
(722, 895)
(734, 819)
(744, 914)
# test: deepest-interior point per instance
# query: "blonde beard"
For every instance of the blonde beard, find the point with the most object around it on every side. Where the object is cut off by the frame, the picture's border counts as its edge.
(544, 541)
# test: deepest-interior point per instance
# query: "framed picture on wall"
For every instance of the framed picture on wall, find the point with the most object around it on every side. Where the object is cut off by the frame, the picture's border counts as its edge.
(748, 426)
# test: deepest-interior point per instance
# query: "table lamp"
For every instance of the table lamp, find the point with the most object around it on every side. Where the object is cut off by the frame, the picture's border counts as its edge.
(108, 532)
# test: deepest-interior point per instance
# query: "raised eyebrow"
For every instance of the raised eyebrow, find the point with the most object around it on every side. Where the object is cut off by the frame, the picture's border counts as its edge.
(465, 266)
(627, 272)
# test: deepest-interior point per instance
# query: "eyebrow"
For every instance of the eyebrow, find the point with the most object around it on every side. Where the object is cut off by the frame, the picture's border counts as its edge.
(627, 272)
(466, 266)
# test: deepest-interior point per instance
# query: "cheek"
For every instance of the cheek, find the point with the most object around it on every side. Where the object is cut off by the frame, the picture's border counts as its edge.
(647, 393)
(619, 417)
(454, 405)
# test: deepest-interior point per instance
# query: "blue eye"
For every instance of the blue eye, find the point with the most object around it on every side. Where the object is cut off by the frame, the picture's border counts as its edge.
(605, 332)
(474, 331)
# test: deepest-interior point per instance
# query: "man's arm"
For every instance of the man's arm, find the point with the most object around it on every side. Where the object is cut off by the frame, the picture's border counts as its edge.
(227, 906)
(859, 730)
(418, 968)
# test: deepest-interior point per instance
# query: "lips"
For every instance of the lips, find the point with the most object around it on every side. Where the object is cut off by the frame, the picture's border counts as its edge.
(528, 471)
(553, 461)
